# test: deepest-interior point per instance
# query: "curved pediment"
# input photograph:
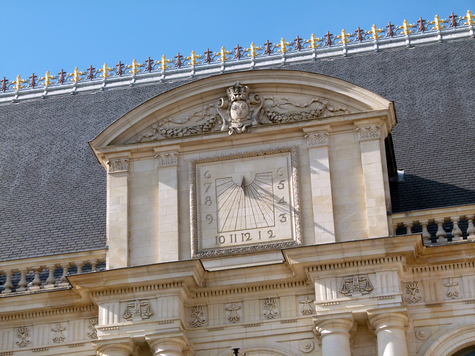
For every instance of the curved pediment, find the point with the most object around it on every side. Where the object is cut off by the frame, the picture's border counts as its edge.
(209, 106)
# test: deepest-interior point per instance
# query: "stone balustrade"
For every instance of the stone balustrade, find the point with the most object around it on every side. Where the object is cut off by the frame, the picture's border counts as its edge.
(48, 272)
(438, 226)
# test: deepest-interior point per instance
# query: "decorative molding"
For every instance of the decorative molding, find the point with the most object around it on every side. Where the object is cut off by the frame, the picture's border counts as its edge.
(433, 305)
(253, 325)
(161, 322)
(250, 289)
(328, 304)
(138, 310)
(413, 293)
(91, 325)
(356, 285)
(369, 132)
(453, 289)
(270, 310)
(356, 263)
(215, 329)
(233, 316)
(306, 346)
(197, 317)
(386, 296)
(422, 333)
(167, 159)
(471, 301)
(39, 349)
(195, 253)
(306, 306)
(76, 345)
(139, 289)
(23, 333)
(58, 334)
(108, 328)
(288, 321)
(442, 268)
(117, 165)
(6, 353)
(316, 139)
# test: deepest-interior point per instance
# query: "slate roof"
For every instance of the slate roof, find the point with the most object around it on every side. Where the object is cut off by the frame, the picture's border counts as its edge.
(53, 191)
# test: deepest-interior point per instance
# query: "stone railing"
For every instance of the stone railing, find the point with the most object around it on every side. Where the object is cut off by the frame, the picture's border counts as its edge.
(438, 226)
(48, 272)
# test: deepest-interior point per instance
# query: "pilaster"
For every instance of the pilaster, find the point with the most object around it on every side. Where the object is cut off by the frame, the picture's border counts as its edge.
(373, 176)
(167, 164)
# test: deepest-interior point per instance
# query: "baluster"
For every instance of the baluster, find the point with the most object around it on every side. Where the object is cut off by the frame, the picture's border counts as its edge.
(50, 281)
(441, 234)
(8, 286)
(22, 284)
(93, 265)
(425, 232)
(456, 232)
(36, 282)
(79, 266)
(471, 228)
(408, 227)
(64, 280)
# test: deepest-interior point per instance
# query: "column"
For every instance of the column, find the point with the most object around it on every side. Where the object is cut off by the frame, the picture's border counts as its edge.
(390, 328)
(317, 143)
(335, 333)
(170, 346)
(117, 213)
(372, 164)
(168, 236)
(114, 347)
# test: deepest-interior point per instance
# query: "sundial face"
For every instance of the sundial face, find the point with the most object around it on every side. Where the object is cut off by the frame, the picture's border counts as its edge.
(244, 201)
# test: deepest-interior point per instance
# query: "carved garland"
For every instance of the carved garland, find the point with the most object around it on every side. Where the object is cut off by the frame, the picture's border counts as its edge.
(195, 253)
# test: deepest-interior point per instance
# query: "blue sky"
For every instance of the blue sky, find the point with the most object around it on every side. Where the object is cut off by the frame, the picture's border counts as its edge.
(51, 35)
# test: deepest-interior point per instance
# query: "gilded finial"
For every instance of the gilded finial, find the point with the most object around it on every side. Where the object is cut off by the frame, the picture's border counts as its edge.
(105, 71)
(406, 27)
(46, 79)
(313, 41)
(344, 37)
(252, 50)
(18, 83)
(437, 22)
(374, 31)
(283, 46)
(469, 18)
(134, 67)
(223, 54)
(164, 63)
(193, 58)
(76, 75)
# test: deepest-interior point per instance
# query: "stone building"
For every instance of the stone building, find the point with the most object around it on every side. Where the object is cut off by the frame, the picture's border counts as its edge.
(311, 197)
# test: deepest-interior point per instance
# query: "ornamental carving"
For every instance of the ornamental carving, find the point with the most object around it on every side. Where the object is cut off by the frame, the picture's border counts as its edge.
(413, 293)
(58, 334)
(271, 311)
(118, 165)
(167, 159)
(197, 317)
(307, 306)
(316, 139)
(138, 310)
(453, 289)
(91, 325)
(356, 285)
(233, 316)
(368, 132)
(23, 333)
(306, 345)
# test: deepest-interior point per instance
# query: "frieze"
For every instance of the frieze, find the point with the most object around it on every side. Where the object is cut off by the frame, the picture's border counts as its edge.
(58, 334)
(453, 289)
(316, 139)
(369, 132)
(270, 310)
(307, 306)
(138, 310)
(413, 293)
(197, 317)
(356, 285)
(167, 159)
(23, 334)
(117, 165)
(233, 316)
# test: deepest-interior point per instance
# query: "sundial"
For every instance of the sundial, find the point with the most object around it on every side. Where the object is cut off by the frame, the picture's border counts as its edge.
(245, 199)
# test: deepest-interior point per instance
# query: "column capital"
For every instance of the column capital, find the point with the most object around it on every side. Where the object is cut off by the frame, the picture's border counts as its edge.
(317, 138)
(118, 164)
(169, 158)
(340, 323)
(388, 318)
(114, 347)
(171, 345)
(369, 132)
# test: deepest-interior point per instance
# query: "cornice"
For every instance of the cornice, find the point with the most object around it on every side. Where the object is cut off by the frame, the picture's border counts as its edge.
(49, 313)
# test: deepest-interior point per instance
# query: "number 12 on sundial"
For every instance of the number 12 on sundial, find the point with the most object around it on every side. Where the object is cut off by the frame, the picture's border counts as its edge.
(244, 201)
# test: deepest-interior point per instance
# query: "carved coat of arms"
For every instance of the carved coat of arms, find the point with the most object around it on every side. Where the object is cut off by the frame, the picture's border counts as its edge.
(138, 310)
(356, 285)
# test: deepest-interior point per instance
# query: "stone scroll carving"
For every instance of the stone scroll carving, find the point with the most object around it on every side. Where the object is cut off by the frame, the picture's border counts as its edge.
(138, 310)
(91, 325)
(197, 317)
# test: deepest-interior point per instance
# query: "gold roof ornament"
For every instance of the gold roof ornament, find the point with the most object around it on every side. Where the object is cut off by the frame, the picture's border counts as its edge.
(164, 63)
(344, 37)
(469, 18)
(406, 27)
(283, 45)
(252, 50)
(134, 67)
(313, 41)
(437, 22)
(375, 32)
(46, 79)
(223, 54)
(105, 71)
(18, 83)
(76, 75)
(193, 58)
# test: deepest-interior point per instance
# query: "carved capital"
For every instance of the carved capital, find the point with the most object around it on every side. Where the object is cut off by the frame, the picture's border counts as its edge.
(170, 346)
(167, 159)
(334, 324)
(391, 318)
(117, 165)
(115, 347)
(369, 132)
(316, 139)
